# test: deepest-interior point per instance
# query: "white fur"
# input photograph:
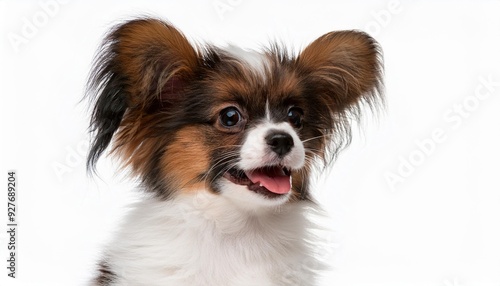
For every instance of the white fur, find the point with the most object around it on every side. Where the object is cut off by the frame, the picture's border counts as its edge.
(257, 62)
(255, 152)
(234, 238)
(268, 111)
(247, 200)
(203, 239)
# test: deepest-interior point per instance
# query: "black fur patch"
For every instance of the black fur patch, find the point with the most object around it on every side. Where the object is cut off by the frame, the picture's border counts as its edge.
(106, 275)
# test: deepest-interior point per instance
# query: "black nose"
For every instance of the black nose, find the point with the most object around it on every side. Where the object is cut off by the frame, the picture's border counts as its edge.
(280, 142)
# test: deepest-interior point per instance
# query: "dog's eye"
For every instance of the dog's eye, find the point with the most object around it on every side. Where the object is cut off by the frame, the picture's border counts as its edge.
(230, 116)
(295, 116)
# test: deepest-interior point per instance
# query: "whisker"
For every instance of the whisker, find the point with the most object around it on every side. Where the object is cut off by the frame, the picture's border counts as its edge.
(317, 137)
(231, 155)
(226, 146)
(227, 168)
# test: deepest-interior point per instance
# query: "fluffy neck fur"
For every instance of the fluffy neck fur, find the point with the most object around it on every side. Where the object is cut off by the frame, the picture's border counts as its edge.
(202, 239)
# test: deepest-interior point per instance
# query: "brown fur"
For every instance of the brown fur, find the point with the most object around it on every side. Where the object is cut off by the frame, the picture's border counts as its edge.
(187, 160)
(168, 97)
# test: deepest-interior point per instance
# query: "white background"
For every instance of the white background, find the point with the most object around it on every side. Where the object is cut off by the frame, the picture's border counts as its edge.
(435, 223)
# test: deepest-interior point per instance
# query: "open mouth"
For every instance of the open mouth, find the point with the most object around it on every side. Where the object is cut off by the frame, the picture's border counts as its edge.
(270, 181)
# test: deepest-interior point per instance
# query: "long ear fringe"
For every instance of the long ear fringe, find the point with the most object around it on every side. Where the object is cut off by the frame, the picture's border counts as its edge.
(132, 71)
(106, 98)
(348, 65)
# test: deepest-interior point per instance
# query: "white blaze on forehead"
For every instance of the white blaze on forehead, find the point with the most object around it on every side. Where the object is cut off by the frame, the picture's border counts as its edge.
(256, 61)
(268, 111)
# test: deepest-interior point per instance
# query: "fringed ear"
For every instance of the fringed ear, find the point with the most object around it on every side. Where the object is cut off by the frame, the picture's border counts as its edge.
(142, 64)
(340, 71)
(346, 66)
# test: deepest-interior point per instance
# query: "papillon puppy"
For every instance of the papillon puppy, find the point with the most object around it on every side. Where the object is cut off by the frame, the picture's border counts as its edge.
(224, 142)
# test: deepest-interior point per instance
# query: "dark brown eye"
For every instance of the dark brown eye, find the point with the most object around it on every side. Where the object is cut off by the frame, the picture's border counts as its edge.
(295, 115)
(230, 117)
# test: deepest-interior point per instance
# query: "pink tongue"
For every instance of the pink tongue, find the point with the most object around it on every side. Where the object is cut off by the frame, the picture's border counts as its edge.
(276, 182)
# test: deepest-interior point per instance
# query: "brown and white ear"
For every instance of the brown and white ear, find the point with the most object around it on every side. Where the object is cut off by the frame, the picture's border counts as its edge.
(345, 66)
(141, 65)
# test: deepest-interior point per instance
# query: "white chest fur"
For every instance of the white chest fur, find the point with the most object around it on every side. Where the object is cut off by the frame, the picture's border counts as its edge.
(203, 239)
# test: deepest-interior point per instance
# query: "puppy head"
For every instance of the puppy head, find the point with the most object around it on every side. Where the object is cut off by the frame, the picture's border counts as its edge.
(247, 126)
